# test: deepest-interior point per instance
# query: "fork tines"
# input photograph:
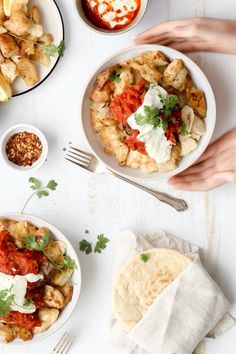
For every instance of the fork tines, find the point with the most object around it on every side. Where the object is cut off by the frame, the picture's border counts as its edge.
(63, 344)
(79, 157)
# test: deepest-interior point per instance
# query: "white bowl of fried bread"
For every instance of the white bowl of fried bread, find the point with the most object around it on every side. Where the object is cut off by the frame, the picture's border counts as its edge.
(30, 32)
(68, 280)
(158, 65)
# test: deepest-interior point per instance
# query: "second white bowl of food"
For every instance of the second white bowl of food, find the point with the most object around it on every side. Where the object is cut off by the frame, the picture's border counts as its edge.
(194, 115)
(56, 307)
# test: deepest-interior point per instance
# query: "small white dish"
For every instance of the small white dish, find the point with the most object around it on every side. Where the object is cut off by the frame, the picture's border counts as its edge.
(76, 278)
(87, 23)
(23, 128)
(200, 82)
(52, 23)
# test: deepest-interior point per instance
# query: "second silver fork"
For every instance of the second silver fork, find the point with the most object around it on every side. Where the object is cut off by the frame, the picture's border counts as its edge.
(90, 163)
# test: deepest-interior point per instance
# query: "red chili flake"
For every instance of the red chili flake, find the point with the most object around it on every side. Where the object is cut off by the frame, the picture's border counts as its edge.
(24, 148)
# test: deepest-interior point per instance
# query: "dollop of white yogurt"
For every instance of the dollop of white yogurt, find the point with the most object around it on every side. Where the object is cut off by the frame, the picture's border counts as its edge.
(17, 286)
(156, 143)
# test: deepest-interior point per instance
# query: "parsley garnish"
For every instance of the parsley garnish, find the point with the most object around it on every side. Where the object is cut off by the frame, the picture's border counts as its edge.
(28, 302)
(39, 190)
(6, 301)
(183, 129)
(85, 246)
(169, 103)
(38, 245)
(158, 116)
(51, 49)
(68, 262)
(145, 257)
(88, 247)
(101, 243)
(116, 75)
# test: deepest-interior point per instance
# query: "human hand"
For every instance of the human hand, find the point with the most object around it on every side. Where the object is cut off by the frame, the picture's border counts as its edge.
(215, 167)
(194, 34)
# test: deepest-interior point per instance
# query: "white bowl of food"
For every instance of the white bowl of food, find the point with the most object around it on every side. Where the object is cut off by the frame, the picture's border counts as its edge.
(148, 111)
(111, 17)
(23, 148)
(31, 43)
(43, 256)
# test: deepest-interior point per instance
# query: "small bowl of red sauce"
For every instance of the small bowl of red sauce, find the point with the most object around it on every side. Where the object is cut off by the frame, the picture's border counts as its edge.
(111, 16)
(24, 147)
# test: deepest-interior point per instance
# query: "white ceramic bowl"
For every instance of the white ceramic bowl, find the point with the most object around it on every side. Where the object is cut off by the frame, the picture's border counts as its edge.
(86, 22)
(52, 23)
(76, 278)
(21, 128)
(200, 82)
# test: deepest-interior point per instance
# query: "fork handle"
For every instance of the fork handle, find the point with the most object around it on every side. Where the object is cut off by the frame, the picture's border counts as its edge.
(178, 204)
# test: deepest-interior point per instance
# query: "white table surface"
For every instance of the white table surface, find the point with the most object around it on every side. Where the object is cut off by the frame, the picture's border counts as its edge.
(106, 205)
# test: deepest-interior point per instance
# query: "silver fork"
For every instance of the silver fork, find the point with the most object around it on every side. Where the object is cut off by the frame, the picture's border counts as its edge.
(91, 163)
(62, 346)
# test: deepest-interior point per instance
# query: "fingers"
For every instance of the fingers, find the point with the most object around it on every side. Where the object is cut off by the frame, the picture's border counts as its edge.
(168, 29)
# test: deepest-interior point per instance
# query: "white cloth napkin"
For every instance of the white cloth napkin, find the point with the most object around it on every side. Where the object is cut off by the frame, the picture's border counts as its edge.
(189, 309)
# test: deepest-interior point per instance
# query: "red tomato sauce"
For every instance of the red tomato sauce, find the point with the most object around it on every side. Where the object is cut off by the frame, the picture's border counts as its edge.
(24, 320)
(93, 15)
(134, 144)
(122, 106)
(173, 127)
(16, 261)
(36, 295)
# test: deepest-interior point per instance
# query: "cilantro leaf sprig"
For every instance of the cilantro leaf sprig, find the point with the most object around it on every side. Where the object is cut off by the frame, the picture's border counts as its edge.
(39, 244)
(50, 50)
(6, 301)
(145, 257)
(183, 129)
(89, 247)
(116, 75)
(158, 116)
(39, 189)
(101, 243)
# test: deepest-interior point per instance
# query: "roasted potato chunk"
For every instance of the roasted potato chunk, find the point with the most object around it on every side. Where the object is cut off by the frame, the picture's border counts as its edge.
(54, 252)
(175, 74)
(23, 333)
(6, 333)
(150, 58)
(104, 76)
(147, 72)
(126, 79)
(39, 55)
(27, 71)
(8, 69)
(18, 23)
(112, 139)
(8, 46)
(196, 100)
(67, 291)
(172, 163)
(101, 115)
(53, 297)
(61, 277)
(35, 15)
(47, 317)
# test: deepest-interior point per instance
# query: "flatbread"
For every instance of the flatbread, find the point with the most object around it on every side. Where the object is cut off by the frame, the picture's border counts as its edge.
(140, 283)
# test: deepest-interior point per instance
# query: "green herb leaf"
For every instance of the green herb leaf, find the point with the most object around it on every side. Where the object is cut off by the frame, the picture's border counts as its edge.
(86, 231)
(32, 243)
(68, 262)
(42, 193)
(6, 301)
(85, 246)
(101, 243)
(52, 185)
(36, 184)
(51, 49)
(183, 129)
(145, 257)
(169, 104)
(116, 75)
(28, 302)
